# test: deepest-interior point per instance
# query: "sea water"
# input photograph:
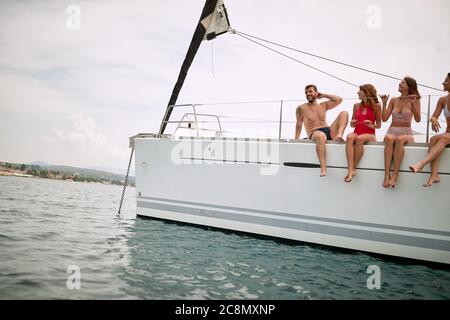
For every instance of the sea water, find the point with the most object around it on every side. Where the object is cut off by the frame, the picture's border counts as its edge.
(65, 240)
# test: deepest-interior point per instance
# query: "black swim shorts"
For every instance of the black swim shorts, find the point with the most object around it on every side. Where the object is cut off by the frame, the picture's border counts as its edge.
(326, 130)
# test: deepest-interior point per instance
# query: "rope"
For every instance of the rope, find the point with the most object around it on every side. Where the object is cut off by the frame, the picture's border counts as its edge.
(296, 60)
(331, 60)
(212, 59)
(126, 180)
(208, 104)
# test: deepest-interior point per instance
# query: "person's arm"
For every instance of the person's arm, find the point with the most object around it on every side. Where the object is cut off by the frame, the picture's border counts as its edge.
(377, 116)
(299, 124)
(353, 121)
(435, 125)
(333, 101)
(387, 110)
(415, 107)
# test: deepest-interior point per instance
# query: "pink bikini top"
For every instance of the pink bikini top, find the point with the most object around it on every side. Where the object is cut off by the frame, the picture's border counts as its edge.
(405, 116)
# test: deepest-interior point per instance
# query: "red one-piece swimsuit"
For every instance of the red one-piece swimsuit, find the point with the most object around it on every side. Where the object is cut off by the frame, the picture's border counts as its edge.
(364, 112)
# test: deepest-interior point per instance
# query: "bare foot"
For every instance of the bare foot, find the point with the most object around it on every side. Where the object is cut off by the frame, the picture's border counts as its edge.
(393, 182)
(349, 176)
(323, 173)
(386, 182)
(416, 168)
(338, 139)
(433, 179)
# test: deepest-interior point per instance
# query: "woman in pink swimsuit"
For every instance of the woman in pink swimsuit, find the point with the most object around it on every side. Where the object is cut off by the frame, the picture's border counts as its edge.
(403, 109)
(366, 118)
(439, 142)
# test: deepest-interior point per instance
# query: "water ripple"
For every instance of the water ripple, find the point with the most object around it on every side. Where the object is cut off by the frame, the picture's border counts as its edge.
(48, 227)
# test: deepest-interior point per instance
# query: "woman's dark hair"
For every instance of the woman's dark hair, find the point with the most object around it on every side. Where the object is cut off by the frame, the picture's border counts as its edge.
(412, 86)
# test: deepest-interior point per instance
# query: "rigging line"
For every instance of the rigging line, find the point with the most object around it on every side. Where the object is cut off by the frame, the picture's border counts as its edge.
(242, 102)
(265, 101)
(242, 118)
(289, 57)
(212, 59)
(232, 121)
(331, 60)
(223, 116)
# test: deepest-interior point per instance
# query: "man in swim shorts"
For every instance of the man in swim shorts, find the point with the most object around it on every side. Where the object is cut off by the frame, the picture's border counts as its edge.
(313, 115)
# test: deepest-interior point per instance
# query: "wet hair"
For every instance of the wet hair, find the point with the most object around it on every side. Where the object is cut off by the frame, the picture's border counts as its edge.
(412, 86)
(371, 95)
(311, 86)
(448, 74)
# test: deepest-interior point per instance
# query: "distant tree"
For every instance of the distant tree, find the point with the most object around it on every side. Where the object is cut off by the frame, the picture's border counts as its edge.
(43, 173)
(23, 167)
(117, 182)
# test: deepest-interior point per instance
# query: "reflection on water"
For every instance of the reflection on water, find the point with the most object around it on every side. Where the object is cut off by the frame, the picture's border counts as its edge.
(47, 226)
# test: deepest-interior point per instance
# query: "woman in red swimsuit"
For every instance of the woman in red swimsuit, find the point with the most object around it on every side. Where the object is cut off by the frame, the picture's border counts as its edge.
(366, 118)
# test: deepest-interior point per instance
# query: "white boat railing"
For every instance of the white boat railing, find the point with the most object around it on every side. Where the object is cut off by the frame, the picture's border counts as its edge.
(189, 126)
(221, 120)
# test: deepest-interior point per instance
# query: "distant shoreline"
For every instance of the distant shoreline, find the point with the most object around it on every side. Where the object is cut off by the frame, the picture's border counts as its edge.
(62, 173)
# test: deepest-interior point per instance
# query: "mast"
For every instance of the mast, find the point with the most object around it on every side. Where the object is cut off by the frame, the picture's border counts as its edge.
(213, 22)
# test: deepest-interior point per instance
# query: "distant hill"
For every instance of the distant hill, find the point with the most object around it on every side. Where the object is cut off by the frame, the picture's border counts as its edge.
(84, 172)
(40, 164)
(122, 171)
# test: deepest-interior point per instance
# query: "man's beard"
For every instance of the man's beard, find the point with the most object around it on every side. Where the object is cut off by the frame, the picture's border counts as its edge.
(310, 99)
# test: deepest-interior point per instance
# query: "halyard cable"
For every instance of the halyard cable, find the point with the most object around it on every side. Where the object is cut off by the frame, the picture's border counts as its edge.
(330, 60)
(296, 60)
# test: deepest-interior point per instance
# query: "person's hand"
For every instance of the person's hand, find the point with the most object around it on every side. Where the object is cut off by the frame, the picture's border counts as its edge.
(384, 98)
(319, 95)
(412, 99)
(368, 123)
(353, 123)
(435, 125)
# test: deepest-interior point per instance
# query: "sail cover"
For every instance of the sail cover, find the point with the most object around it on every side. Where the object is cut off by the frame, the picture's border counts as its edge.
(213, 22)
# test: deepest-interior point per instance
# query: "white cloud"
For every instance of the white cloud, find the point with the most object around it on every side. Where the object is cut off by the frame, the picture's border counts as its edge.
(84, 137)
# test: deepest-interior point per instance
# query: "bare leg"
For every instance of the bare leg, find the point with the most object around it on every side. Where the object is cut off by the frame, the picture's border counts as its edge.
(350, 151)
(434, 176)
(321, 140)
(337, 128)
(434, 164)
(399, 152)
(359, 146)
(418, 167)
(434, 156)
(388, 153)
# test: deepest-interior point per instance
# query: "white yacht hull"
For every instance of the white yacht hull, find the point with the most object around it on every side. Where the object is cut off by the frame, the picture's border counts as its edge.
(219, 183)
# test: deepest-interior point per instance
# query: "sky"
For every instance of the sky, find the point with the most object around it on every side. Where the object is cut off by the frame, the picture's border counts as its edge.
(77, 78)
